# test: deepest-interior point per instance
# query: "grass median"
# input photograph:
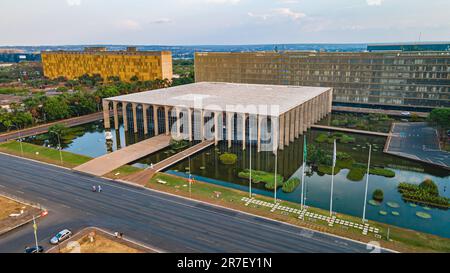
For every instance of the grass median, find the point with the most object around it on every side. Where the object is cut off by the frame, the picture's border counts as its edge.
(400, 239)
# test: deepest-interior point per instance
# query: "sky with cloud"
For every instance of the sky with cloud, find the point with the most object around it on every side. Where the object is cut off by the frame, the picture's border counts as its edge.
(190, 22)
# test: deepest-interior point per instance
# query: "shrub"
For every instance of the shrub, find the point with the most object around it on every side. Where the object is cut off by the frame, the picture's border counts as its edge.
(321, 138)
(264, 177)
(356, 174)
(328, 169)
(382, 172)
(425, 193)
(291, 184)
(378, 195)
(228, 158)
(429, 186)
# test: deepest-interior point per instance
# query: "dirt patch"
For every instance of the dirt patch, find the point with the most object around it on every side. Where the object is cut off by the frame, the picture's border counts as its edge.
(93, 240)
(13, 214)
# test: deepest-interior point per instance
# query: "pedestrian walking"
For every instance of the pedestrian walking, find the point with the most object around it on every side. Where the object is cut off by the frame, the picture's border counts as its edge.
(99, 188)
(94, 189)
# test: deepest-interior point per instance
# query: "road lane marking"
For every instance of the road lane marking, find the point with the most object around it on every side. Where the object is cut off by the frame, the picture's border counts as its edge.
(103, 181)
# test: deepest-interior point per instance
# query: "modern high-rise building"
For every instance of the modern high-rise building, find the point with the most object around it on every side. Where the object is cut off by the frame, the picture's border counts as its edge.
(395, 80)
(145, 65)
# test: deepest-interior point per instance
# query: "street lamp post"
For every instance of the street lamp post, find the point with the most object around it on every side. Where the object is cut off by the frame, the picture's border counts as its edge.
(20, 139)
(60, 152)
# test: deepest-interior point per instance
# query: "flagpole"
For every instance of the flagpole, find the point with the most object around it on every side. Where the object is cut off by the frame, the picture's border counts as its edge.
(190, 176)
(275, 188)
(332, 178)
(367, 183)
(250, 148)
(302, 201)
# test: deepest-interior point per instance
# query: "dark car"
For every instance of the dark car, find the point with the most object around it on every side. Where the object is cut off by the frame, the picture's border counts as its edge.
(33, 249)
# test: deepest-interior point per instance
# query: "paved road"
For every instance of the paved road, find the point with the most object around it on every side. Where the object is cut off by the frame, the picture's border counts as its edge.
(418, 141)
(167, 222)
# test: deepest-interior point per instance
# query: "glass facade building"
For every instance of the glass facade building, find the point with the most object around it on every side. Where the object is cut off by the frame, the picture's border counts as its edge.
(400, 79)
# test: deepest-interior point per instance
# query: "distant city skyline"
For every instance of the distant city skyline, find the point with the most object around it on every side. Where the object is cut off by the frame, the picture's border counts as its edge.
(221, 22)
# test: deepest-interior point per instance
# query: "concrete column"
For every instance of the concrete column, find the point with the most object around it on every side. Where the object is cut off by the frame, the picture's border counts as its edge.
(229, 127)
(116, 115)
(316, 109)
(190, 123)
(144, 115)
(178, 121)
(301, 119)
(308, 114)
(321, 106)
(216, 128)
(292, 125)
(244, 116)
(330, 100)
(124, 116)
(281, 132)
(134, 105)
(324, 103)
(297, 121)
(275, 130)
(287, 124)
(106, 121)
(260, 118)
(166, 119)
(155, 120)
(202, 124)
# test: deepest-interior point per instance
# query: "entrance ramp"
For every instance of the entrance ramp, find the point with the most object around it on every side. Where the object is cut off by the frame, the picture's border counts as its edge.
(143, 177)
(109, 162)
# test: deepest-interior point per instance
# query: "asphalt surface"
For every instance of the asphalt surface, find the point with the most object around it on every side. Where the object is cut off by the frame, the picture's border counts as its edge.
(169, 223)
(418, 141)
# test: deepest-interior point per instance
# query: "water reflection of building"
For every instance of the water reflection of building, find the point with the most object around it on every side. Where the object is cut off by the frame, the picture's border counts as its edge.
(267, 116)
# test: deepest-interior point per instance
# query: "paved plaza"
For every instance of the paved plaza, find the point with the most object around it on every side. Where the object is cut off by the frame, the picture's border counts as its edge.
(417, 141)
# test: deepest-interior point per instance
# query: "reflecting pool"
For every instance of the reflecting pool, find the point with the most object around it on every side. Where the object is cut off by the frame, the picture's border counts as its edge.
(89, 139)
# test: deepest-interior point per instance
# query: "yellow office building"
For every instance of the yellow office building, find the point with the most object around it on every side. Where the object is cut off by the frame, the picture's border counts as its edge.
(145, 65)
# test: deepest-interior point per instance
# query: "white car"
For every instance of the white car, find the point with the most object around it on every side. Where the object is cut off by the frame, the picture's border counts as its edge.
(406, 114)
(61, 236)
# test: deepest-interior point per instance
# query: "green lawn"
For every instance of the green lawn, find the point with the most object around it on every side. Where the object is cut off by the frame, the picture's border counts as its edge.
(122, 172)
(52, 156)
(44, 154)
(401, 239)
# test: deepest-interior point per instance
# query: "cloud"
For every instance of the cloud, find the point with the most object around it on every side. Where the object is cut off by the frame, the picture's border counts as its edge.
(73, 2)
(289, 13)
(162, 21)
(288, 1)
(374, 2)
(260, 16)
(223, 1)
(285, 12)
(129, 24)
